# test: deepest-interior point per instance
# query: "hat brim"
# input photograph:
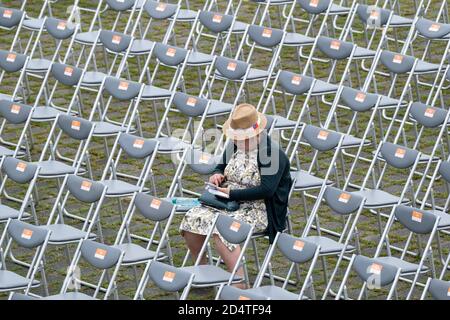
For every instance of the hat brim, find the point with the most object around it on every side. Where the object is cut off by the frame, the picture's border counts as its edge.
(239, 137)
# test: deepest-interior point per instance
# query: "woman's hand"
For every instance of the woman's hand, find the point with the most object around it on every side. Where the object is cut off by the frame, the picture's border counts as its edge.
(217, 179)
(225, 190)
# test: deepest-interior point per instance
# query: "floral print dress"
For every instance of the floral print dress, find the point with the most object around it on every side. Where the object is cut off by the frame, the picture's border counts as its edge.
(240, 172)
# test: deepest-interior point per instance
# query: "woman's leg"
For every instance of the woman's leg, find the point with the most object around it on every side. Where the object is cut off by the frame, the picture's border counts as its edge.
(230, 258)
(194, 242)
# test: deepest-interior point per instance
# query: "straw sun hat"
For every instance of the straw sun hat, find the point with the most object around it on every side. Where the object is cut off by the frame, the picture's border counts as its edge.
(244, 123)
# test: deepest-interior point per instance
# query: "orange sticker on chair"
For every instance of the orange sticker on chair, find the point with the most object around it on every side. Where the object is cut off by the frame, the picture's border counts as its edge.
(171, 52)
(11, 57)
(298, 245)
(161, 7)
(138, 143)
(398, 58)
(191, 101)
(360, 97)
(68, 71)
(156, 203)
(296, 80)
(116, 39)
(243, 298)
(344, 197)
(400, 153)
(232, 66)
(429, 112)
(123, 85)
(100, 254)
(235, 226)
(374, 14)
(61, 25)
(21, 166)
(267, 33)
(217, 18)
(169, 276)
(86, 185)
(76, 125)
(15, 108)
(27, 234)
(335, 45)
(323, 135)
(448, 292)
(434, 27)
(416, 216)
(376, 268)
(314, 3)
(204, 158)
(7, 13)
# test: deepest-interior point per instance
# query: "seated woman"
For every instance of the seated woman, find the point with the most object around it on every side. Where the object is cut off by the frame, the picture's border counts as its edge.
(255, 172)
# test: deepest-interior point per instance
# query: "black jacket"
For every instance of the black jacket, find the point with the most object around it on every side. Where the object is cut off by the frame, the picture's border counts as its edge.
(275, 184)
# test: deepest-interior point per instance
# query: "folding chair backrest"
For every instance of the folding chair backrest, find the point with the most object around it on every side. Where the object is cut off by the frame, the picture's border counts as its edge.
(160, 10)
(76, 127)
(66, 74)
(9, 17)
(25, 234)
(200, 162)
(12, 61)
(115, 41)
(233, 230)
(59, 29)
(314, 7)
(18, 170)
(83, 189)
(21, 296)
(439, 289)
(366, 14)
(398, 156)
(122, 89)
(233, 293)
(167, 277)
(100, 255)
(321, 139)
(293, 83)
(264, 36)
(427, 116)
(444, 170)
(334, 49)
(342, 202)
(14, 112)
(396, 63)
(137, 147)
(190, 106)
(152, 207)
(216, 22)
(121, 5)
(432, 29)
(358, 100)
(230, 68)
(170, 55)
(296, 249)
(368, 268)
(415, 220)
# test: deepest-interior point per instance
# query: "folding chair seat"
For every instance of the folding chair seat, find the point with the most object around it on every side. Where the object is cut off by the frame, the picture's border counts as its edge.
(416, 222)
(298, 252)
(437, 289)
(167, 278)
(210, 275)
(26, 236)
(128, 148)
(20, 173)
(102, 258)
(84, 192)
(374, 274)
(75, 128)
